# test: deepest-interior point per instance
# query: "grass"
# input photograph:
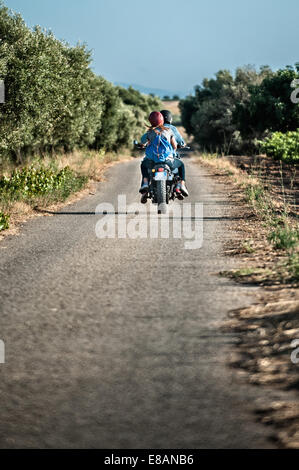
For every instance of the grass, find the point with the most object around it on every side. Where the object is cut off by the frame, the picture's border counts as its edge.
(247, 246)
(4, 221)
(254, 193)
(248, 272)
(284, 237)
(282, 229)
(292, 265)
(41, 182)
(33, 187)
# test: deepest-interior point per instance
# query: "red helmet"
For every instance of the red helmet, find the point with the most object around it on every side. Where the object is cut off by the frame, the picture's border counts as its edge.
(156, 119)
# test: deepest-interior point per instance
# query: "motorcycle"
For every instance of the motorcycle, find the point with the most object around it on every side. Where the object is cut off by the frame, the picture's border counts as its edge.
(163, 182)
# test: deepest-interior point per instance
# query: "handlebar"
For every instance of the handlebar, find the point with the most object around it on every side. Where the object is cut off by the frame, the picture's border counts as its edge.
(184, 148)
(139, 146)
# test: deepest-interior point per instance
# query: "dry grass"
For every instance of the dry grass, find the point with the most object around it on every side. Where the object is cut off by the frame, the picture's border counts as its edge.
(87, 163)
(268, 200)
(225, 168)
(265, 330)
(265, 334)
(173, 107)
(90, 164)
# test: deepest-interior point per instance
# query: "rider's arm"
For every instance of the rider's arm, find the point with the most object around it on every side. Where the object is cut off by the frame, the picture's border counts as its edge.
(173, 143)
(178, 137)
(144, 139)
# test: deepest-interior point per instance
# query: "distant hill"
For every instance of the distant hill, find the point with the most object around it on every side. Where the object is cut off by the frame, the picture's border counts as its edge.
(155, 91)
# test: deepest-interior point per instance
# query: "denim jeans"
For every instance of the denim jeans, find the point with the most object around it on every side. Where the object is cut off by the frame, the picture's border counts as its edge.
(147, 165)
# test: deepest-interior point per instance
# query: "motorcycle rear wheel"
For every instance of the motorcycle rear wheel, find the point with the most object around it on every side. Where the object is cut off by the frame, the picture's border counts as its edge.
(162, 197)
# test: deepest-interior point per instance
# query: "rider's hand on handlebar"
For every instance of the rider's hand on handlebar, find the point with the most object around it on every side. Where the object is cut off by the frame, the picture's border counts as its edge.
(139, 146)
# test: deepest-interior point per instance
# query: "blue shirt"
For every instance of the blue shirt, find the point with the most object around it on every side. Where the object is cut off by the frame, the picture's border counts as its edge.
(179, 139)
(151, 135)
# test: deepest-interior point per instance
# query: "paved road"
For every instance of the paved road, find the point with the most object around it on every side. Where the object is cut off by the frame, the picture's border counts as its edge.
(115, 343)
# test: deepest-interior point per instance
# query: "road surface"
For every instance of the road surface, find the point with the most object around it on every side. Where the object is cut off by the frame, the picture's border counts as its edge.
(116, 343)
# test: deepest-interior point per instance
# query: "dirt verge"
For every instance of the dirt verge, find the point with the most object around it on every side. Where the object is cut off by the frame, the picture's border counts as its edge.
(268, 331)
(94, 169)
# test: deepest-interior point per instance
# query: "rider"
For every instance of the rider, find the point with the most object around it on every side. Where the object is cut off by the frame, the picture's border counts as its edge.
(181, 143)
(168, 123)
(157, 124)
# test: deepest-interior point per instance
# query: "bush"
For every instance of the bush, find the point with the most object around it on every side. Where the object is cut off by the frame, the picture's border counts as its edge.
(125, 112)
(284, 237)
(269, 107)
(292, 266)
(146, 103)
(230, 114)
(281, 146)
(4, 221)
(31, 182)
(53, 99)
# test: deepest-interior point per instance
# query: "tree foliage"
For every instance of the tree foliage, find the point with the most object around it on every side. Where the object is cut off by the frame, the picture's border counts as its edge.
(54, 100)
(282, 146)
(269, 106)
(230, 113)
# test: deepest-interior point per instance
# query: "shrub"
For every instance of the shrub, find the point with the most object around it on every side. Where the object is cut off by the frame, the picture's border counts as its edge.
(281, 146)
(232, 113)
(269, 107)
(146, 103)
(254, 193)
(31, 182)
(292, 266)
(284, 237)
(4, 221)
(53, 99)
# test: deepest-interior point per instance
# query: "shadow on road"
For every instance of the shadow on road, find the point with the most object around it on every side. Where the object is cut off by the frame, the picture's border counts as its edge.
(137, 213)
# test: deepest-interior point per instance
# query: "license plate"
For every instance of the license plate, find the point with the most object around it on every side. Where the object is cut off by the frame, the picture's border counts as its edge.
(161, 176)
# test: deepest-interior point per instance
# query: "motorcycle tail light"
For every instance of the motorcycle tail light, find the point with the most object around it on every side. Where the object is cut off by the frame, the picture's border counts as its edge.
(160, 169)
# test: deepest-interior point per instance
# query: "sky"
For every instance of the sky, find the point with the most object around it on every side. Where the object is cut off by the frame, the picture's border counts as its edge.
(171, 44)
